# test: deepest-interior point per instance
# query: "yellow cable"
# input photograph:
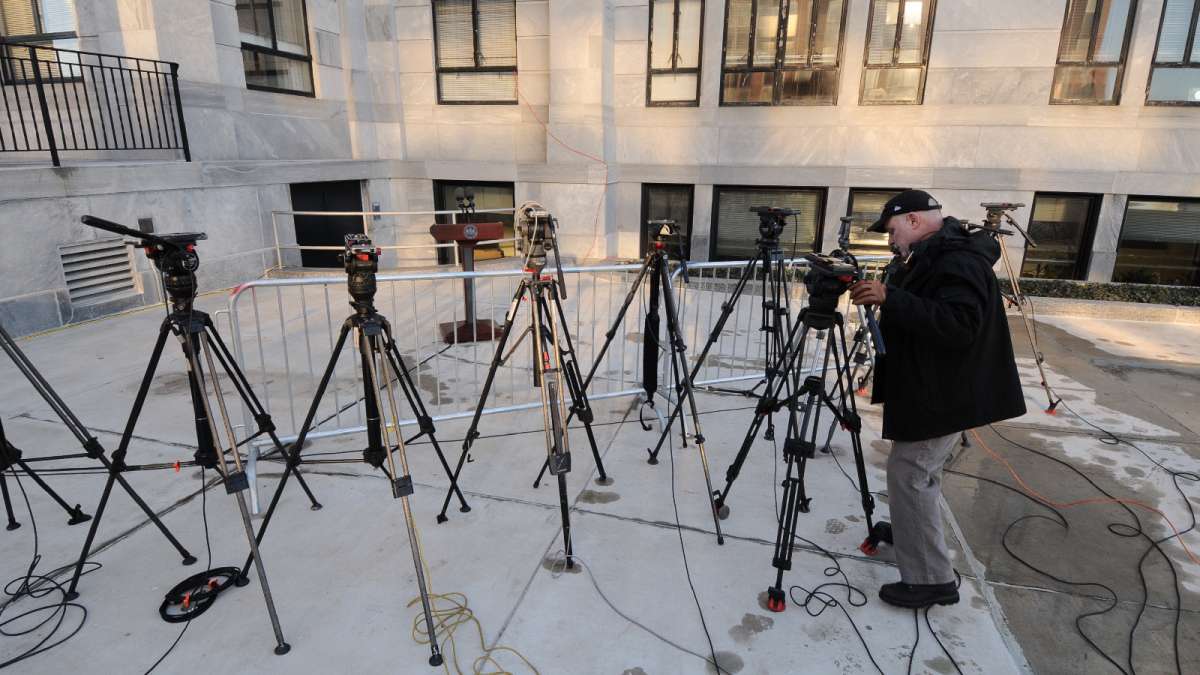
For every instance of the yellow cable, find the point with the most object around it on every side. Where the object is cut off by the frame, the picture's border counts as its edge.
(447, 621)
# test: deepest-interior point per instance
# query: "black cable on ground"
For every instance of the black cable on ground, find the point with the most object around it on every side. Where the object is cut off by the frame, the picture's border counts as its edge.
(1123, 530)
(201, 586)
(683, 552)
(35, 586)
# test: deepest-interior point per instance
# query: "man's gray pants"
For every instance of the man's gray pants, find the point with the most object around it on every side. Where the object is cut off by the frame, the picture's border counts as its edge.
(914, 478)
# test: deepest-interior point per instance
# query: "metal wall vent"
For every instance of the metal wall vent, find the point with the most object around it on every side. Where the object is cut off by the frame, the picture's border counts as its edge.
(97, 271)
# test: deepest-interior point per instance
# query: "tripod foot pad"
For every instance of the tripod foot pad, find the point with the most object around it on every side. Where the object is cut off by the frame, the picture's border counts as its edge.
(653, 457)
(776, 600)
(12, 526)
(604, 481)
(316, 506)
(435, 660)
(282, 648)
(189, 559)
(441, 518)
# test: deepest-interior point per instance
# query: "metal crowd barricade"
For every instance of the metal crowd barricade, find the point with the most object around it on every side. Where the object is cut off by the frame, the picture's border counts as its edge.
(284, 329)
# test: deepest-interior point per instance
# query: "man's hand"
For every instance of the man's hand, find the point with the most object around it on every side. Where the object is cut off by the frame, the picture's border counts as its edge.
(868, 293)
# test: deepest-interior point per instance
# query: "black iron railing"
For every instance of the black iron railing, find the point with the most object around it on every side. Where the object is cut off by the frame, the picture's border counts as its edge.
(61, 100)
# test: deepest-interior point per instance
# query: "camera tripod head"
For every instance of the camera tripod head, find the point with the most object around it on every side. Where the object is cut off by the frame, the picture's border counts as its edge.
(174, 255)
(843, 238)
(998, 214)
(361, 260)
(771, 221)
(828, 277)
(537, 235)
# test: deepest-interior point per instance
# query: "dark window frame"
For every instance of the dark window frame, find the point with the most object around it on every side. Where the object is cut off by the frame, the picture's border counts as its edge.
(777, 65)
(645, 215)
(39, 38)
(850, 201)
(818, 229)
(1088, 62)
(1183, 61)
(1125, 219)
(1083, 257)
(475, 51)
(274, 50)
(926, 47)
(674, 69)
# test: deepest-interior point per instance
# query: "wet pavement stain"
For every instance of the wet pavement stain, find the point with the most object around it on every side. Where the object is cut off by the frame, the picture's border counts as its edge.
(636, 670)
(978, 602)
(729, 662)
(940, 664)
(751, 625)
(597, 497)
(834, 526)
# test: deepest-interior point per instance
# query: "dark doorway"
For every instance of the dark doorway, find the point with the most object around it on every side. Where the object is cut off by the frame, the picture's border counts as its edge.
(338, 195)
(1063, 225)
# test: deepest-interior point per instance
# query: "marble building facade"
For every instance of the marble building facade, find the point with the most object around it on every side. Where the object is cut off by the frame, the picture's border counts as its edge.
(580, 137)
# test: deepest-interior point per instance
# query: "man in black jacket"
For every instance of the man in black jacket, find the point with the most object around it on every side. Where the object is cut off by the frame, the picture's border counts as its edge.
(949, 367)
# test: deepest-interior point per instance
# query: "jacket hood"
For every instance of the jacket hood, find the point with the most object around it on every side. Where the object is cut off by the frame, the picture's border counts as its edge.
(954, 236)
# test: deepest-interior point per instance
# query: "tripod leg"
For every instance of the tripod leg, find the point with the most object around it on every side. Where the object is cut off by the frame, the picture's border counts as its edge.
(548, 361)
(413, 396)
(769, 401)
(400, 478)
(684, 387)
(727, 309)
(75, 515)
(12, 520)
(117, 464)
(575, 387)
(261, 417)
(794, 502)
(297, 445)
(235, 481)
(473, 430)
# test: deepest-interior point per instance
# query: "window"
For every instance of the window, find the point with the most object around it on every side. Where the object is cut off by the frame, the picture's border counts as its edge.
(668, 202)
(49, 23)
(782, 52)
(487, 196)
(674, 52)
(476, 44)
(1063, 227)
(865, 207)
(897, 51)
(275, 54)
(1091, 53)
(1175, 75)
(43, 22)
(1160, 242)
(735, 228)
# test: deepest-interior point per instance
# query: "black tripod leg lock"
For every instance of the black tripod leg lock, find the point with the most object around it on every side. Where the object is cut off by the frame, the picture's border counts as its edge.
(852, 422)
(559, 463)
(425, 424)
(584, 414)
(236, 482)
(798, 447)
(264, 422)
(402, 487)
(92, 447)
(767, 404)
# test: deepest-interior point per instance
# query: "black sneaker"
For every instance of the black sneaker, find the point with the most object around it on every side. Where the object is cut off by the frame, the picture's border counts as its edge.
(918, 596)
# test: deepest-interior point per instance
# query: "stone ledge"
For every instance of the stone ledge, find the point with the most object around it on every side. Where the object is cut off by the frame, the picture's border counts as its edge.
(1109, 309)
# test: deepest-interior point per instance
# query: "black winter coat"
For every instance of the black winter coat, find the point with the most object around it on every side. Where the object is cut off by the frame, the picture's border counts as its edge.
(949, 365)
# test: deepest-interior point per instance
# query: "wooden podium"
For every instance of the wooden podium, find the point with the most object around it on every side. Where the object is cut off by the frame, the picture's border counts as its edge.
(467, 236)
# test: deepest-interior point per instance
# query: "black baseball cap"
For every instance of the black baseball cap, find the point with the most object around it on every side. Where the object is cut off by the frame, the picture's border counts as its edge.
(908, 201)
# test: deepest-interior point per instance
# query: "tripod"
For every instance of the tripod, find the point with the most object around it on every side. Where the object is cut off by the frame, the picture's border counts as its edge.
(174, 256)
(998, 213)
(776, 313)
(655, 268)
(378, 354)
(554, 365)
(11, 458)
